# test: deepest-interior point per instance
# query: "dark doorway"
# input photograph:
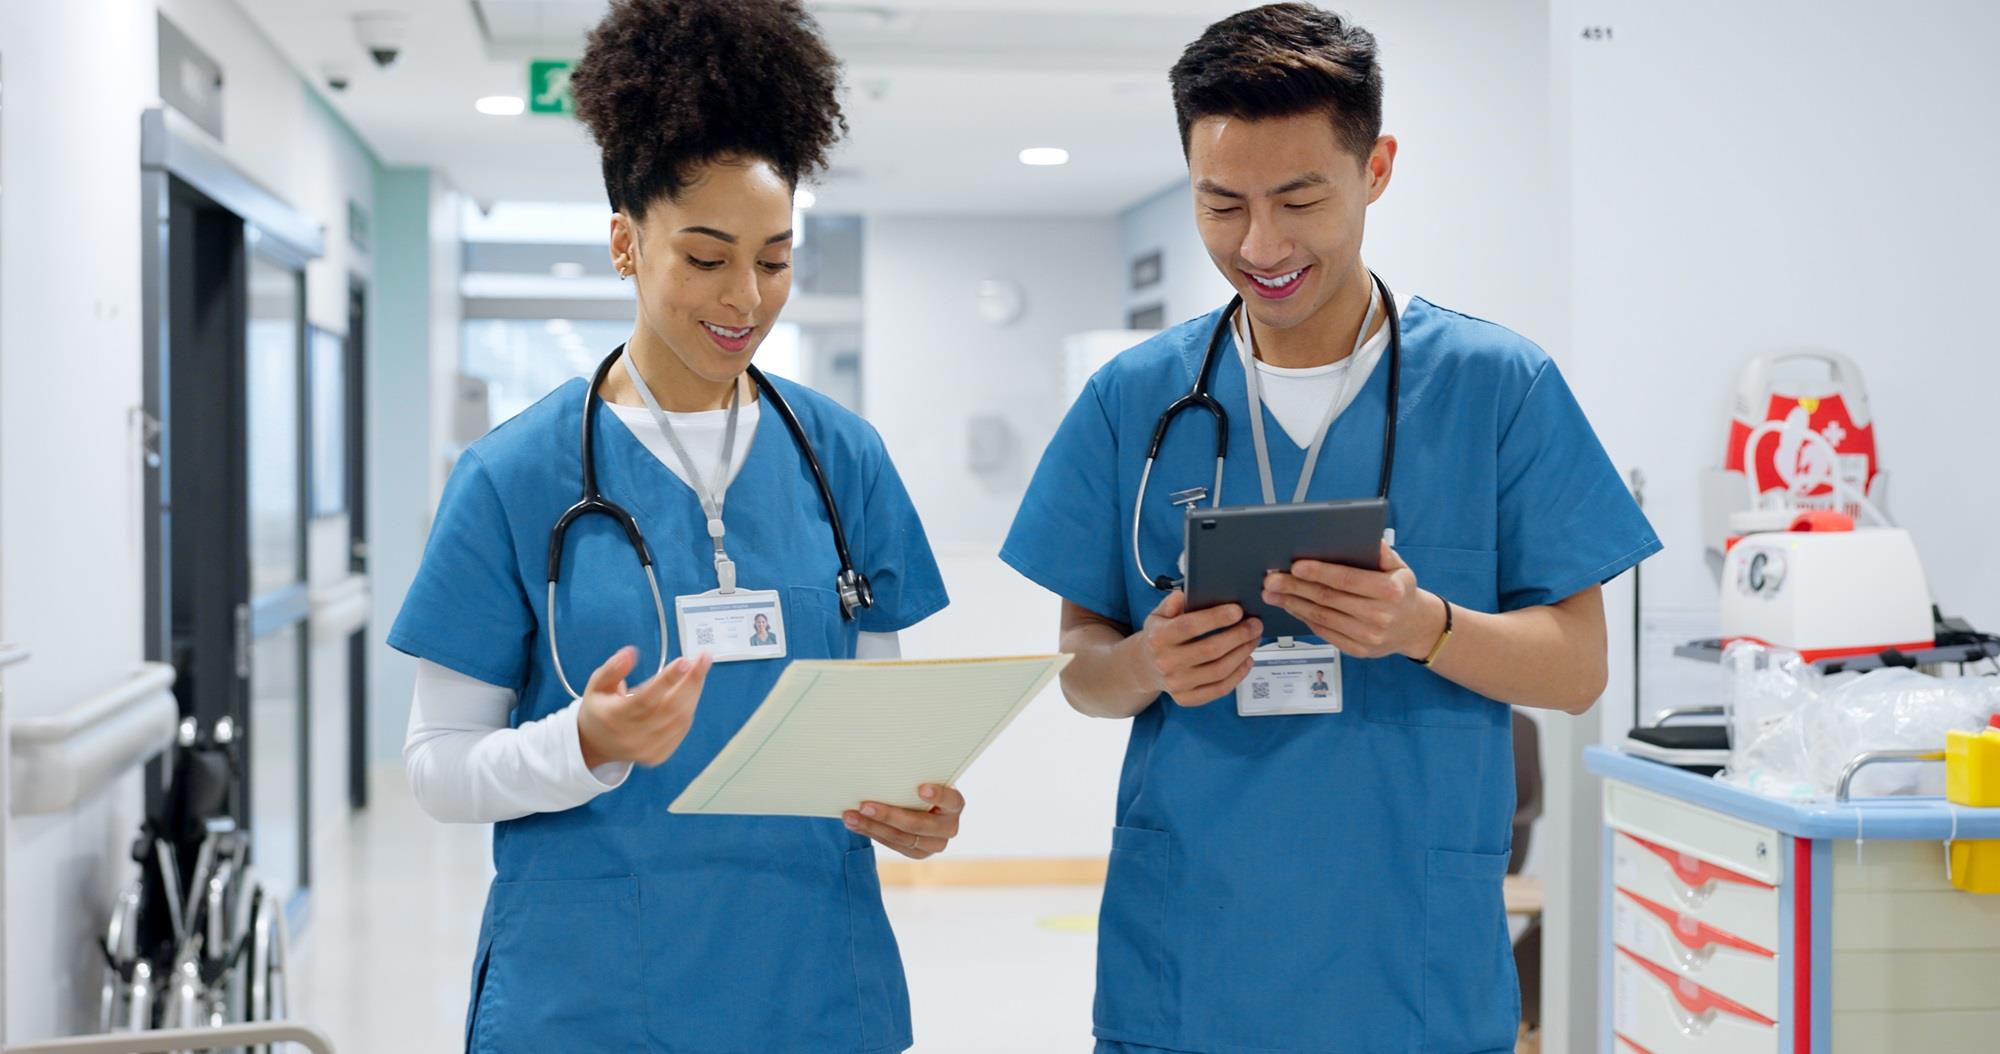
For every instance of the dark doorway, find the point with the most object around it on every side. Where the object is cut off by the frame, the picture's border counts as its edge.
(226, 554)
(357, 529)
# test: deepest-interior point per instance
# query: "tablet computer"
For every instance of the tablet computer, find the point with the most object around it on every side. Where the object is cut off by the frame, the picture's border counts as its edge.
(1232, 548)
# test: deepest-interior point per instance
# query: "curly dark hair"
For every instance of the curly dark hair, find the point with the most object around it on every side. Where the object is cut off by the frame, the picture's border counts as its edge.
(666, 85)
(1282, 60)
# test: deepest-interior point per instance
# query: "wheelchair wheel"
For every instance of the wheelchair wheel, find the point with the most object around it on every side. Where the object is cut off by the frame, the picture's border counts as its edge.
(268, 961)
(125, 1003)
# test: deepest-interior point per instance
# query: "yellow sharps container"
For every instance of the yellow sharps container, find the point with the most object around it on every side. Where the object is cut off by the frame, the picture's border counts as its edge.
(1972, 777)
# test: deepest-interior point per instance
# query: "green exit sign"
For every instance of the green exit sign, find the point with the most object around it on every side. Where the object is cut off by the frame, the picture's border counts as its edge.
(548, 86)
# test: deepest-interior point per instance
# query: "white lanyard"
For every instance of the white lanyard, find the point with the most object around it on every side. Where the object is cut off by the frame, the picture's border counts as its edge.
(1252, 382)
(711, 499)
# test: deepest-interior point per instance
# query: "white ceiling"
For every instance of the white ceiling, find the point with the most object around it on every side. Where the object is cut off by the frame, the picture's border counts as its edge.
(941, 97)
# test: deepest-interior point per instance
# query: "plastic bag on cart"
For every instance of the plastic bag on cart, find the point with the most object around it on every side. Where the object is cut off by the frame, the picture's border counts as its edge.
(1793, 728)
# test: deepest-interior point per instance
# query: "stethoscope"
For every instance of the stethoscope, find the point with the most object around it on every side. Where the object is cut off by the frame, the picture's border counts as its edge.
(850, 584)
(1198, 398)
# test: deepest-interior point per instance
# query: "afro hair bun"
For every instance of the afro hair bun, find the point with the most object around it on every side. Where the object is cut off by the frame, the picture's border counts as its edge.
(666, 85)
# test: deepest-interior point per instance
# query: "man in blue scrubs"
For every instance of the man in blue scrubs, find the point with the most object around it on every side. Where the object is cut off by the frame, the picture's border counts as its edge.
(1291, 872)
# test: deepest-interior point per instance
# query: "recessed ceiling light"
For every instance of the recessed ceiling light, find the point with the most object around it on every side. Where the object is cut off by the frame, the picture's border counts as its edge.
(500, 105)
(1045, 155)
(566, 269)
(804, 199)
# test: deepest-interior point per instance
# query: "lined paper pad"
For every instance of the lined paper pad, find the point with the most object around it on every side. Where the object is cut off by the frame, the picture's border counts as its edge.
(834, 733)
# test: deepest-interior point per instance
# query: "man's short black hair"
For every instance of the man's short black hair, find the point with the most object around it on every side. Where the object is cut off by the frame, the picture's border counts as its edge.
(666, 85)
(1282, 60)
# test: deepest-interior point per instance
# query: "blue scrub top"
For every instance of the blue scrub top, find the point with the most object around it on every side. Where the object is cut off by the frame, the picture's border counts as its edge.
(617, 925)
(1329, 881)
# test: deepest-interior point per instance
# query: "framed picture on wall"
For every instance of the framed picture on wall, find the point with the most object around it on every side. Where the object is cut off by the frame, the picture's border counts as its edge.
(326, 420)
(1147, 316)
(1146, 270)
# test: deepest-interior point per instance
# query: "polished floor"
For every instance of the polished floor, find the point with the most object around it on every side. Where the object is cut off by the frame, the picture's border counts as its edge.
(383, 965)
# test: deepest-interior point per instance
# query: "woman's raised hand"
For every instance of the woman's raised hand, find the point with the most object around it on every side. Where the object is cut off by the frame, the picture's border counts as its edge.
(645, 725)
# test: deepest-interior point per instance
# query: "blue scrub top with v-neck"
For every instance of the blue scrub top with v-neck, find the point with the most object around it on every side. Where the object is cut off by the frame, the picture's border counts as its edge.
(617, 925)
(1327, 882)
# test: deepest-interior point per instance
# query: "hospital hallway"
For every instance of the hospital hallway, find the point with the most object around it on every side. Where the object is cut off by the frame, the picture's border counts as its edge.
(386, 965)
(1210, 526)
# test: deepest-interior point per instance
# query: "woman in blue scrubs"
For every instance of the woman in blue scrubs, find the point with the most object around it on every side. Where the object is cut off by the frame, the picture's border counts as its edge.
(611, 923)
(1325, 874)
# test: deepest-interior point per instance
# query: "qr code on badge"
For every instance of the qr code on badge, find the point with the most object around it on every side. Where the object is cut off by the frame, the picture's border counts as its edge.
(704, 636)
(1260, 690)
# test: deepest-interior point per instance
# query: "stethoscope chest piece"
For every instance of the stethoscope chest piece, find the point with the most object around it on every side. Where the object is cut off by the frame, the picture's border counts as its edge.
(855, 592)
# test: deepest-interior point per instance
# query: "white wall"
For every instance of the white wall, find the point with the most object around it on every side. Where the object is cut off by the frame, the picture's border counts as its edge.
(930, 364)
(1189, 285)
(1748, 179)
(413, 341)
(78, 76)
(1775, 197)
(928, 367)
(1466, 220)
(71, 565)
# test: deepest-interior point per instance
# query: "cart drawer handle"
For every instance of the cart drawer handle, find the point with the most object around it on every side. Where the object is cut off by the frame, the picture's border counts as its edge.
(1695, 872)
(1694, 934)
(1695, 1000)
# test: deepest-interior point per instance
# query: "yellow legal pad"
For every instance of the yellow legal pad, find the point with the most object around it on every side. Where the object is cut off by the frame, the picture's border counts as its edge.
(834, 733)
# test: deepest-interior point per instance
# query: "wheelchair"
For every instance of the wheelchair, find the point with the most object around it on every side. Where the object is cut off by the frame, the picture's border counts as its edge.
(196, 941)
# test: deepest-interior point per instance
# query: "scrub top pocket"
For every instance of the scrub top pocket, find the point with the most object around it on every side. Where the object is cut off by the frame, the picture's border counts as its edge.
(1467, 956)
(818, 629)
(562, 969)
(879, 984)
(1133, 991)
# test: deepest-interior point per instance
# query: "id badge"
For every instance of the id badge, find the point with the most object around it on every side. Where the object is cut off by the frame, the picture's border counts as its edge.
(740, 626)
(1291, 679)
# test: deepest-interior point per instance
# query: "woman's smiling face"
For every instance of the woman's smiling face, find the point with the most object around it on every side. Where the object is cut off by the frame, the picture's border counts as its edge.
(712, 263)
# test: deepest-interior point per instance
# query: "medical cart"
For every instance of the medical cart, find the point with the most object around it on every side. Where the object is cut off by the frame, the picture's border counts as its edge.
(1736, 923)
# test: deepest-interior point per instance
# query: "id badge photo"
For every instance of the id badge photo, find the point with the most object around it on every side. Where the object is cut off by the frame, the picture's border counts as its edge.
(739, 626)
(1291, 679)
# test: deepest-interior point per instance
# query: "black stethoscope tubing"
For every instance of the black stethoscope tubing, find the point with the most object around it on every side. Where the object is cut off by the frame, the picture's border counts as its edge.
(1198, 397)
(852, 586)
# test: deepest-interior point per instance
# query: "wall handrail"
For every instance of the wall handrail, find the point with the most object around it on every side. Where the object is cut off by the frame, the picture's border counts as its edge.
(150, 679)
(346, 589)
(342, 608)
(60, 759)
